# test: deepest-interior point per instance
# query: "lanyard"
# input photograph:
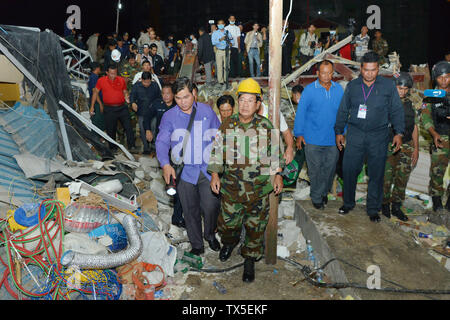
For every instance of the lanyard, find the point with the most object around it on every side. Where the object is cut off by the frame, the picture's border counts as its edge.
(364, 92)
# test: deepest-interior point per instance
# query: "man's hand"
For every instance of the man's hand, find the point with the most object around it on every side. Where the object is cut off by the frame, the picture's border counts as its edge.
(437, 141)
(415, 157)
(340, 142)
(278, 184)
(149, 136)
(127, 98)
(397, 143)
(289, 155)
(215, 183)
(300, 142)
(168, 171)
(134, 106)
(91, 111)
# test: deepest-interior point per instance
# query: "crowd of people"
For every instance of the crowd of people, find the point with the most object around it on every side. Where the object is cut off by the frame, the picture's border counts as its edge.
(225, 164)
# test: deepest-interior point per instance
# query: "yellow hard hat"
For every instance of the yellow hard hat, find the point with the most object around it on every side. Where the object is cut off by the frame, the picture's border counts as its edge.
(249, 86)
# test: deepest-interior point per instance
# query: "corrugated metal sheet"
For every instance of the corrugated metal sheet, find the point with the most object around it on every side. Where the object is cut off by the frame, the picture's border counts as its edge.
(32, 130)
(15, 188)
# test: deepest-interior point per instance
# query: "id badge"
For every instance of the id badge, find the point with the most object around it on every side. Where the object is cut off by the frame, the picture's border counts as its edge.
(362, 113)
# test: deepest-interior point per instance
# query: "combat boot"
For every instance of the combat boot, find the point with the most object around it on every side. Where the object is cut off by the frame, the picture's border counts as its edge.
(249, 270)
(397, 211)
(386, 210)
(437, 205)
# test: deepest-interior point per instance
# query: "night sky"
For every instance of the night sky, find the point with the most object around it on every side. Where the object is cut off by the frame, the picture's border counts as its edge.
(100, 15)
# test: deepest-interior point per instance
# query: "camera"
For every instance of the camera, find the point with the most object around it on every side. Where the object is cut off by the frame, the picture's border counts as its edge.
(313, 44)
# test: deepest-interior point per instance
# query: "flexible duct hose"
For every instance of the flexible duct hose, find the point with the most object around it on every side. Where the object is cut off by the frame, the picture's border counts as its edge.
(109, 261)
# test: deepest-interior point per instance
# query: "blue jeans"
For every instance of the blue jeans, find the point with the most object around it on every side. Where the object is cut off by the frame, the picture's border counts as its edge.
(253, 56)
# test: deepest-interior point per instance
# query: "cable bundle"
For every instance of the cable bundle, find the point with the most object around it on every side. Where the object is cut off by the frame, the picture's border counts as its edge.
(54, 281)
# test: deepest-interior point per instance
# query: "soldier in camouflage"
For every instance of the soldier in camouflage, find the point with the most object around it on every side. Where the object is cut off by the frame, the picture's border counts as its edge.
(242, 165)
(400, 164)
(128, 71)
(436, 119)
(380, 46)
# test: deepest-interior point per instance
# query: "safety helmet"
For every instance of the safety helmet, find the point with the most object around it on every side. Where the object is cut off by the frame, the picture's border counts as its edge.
(440, 68)
(249, 86)
(403, 79)
(115, 55)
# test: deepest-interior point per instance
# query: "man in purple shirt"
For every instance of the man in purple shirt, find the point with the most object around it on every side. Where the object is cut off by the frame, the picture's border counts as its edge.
(193, 185)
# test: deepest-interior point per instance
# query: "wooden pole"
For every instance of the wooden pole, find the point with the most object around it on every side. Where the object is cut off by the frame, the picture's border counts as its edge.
(275, 60)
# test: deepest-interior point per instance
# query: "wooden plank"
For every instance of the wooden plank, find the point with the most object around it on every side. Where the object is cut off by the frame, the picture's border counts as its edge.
(275, 22)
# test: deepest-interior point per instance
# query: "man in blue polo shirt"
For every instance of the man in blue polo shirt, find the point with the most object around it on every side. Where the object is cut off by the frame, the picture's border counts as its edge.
(314, 127)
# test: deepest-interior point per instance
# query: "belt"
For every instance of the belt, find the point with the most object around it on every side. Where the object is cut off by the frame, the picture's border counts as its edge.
(114, 105)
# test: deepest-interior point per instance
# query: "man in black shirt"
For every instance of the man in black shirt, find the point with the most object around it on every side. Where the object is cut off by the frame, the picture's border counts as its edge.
(143, 94)
(370, 103)
(157, 60)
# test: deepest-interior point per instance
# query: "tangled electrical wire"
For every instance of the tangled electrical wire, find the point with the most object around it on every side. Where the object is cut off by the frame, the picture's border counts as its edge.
(41, 246)
(309, 275)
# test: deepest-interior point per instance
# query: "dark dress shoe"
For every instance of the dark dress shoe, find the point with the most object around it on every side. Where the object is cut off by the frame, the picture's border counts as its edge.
(249, 270)
(180, 224)
(214, 245)
(375, 218)
(197, 252)
(225, 252)
(344, 210)
(318, 206)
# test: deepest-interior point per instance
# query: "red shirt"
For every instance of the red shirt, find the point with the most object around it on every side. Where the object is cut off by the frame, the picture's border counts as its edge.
(112, 90)
(346, 52)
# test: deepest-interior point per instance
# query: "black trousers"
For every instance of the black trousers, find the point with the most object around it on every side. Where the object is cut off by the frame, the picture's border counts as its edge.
(360, 147)
(197, 200)
(177, 215)
(114, 114)
(234, 63)
(286, 60)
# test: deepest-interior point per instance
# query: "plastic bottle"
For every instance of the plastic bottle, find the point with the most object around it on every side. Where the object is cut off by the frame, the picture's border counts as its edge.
(219, 287)
(425, 236)
(310, 250)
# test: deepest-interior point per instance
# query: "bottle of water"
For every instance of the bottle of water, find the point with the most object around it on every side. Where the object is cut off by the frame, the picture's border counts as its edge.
(310, 250)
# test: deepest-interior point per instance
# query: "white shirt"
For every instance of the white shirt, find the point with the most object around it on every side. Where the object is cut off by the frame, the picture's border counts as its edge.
(305, 38)
(283, 125)
(138, 77)
(363, 44)
(235, 32)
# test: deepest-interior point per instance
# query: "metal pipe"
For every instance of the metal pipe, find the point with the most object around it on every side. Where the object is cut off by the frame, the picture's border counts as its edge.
(109, 261)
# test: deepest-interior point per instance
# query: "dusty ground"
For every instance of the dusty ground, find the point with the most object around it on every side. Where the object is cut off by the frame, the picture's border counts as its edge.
(362, 243)
(273, 282)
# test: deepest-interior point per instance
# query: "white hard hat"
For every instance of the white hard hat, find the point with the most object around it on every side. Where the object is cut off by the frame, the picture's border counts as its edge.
(115, 55)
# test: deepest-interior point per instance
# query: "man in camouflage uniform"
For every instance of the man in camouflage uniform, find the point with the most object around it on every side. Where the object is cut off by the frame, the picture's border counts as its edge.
(436, 119)
(128, 70)
(399, 165)
(380, 46)
(246, 169)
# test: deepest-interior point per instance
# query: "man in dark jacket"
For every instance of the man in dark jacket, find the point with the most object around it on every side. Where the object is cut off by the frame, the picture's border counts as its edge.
(205, 53)
(287, 51)
(157, 60)
(143, 94)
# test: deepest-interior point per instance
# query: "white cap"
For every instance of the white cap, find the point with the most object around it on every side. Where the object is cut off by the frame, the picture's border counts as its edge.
(115, 55)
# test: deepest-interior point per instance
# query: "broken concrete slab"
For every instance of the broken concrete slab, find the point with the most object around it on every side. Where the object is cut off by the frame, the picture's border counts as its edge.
(361, 243)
